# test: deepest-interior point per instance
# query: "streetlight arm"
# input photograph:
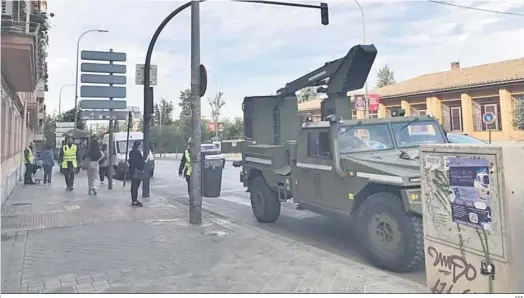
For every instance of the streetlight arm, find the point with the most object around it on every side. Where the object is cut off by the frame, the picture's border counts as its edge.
(363, 22)
(76, 72)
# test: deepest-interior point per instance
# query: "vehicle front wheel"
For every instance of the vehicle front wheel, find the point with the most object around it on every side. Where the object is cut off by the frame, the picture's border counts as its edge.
(392, 239)
(264, 201)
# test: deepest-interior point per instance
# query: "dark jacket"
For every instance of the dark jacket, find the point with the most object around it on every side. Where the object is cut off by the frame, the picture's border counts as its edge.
(136, 161)
(183, 163)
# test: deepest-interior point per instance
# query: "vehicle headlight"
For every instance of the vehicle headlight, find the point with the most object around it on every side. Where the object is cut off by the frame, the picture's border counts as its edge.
(414, 196)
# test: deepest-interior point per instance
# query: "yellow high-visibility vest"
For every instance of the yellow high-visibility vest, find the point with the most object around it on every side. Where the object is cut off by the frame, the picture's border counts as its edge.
(69, 155)
(187, 166)
(31, 156)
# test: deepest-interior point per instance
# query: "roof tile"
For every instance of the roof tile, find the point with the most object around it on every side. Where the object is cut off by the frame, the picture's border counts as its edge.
(498, 72)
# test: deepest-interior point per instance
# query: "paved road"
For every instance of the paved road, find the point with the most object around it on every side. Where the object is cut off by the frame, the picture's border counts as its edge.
(300, 225)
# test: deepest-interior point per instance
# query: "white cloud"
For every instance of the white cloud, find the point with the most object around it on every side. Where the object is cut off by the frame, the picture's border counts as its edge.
(254, 49)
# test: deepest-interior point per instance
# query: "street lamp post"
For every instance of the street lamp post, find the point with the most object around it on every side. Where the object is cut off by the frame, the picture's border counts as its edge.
(366, 114)
(60, 97)
(76, 72)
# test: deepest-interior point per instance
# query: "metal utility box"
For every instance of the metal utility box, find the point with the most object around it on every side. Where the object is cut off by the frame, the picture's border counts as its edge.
(473, 217)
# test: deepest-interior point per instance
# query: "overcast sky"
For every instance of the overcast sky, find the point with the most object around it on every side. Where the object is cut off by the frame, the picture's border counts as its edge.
(253, 49)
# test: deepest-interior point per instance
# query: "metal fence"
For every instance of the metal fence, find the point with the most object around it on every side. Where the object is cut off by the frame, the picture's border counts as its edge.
(483, 105)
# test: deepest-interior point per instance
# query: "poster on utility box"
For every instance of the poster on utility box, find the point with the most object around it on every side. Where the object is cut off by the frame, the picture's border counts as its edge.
(470, 195)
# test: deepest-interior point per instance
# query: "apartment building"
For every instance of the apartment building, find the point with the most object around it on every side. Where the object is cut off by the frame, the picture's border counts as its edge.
(458, 98)
(24, 77)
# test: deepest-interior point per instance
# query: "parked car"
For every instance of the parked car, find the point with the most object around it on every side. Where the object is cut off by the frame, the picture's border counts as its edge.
(463, 139)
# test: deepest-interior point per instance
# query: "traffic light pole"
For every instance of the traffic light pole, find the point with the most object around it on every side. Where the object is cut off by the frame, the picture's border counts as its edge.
(196, 178)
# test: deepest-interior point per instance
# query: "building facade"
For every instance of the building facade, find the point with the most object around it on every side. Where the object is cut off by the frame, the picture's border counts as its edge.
(458, 98)
(24, 76)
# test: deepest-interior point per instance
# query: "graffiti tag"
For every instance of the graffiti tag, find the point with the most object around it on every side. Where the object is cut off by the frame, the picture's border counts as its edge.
(455, 265)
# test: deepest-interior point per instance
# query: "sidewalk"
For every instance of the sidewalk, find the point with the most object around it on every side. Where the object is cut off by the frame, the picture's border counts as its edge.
(59, 242)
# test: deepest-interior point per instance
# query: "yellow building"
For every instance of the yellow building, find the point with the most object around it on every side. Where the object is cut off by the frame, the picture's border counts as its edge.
(457, 97)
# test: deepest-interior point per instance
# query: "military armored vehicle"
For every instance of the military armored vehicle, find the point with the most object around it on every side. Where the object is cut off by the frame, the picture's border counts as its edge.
(363, 171)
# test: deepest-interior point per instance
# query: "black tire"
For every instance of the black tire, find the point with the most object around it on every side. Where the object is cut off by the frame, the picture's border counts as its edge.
(151, 173)
(264, 201)
(118, 175)
(379, 214)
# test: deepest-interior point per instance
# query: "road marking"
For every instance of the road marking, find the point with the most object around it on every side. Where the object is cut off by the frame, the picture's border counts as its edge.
(236, 200)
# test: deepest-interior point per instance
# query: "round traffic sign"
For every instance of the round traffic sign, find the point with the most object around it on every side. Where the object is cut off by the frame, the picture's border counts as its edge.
(488, 118)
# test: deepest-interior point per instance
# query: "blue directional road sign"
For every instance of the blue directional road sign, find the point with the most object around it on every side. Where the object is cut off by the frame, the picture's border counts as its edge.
(103, 92)
(103, 104)
(489, 118)
(103, 56)
(104, 78)
(103, 68)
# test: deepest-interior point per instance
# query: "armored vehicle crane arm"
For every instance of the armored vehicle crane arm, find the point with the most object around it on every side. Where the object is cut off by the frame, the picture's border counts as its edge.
(342, 75)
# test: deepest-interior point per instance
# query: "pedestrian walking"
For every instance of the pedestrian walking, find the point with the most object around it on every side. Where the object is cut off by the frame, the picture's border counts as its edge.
(69, 157)
(104, 164)
(184, 170)
(29, 161)
(93, 155)
(48, 161)
(136, 169)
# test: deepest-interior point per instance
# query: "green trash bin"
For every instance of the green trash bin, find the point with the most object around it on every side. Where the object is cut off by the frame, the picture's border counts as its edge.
(212, 175)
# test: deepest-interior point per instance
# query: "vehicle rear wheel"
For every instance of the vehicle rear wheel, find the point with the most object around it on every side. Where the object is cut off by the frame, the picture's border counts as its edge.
(392, 239)
(264, 202)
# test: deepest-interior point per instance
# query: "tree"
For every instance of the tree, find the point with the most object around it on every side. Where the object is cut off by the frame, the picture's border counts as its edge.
(185, 114)
(518, 116)
(385, 76)
(69, 116)
(216, 104)
(307, 94)
(50, 130)
(233, 129)
(163, 113)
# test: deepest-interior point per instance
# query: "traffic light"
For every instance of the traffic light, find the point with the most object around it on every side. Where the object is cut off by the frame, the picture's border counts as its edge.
(324, 13)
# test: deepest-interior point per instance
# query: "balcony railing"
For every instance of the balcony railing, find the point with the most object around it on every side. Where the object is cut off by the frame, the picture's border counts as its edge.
(20, 28)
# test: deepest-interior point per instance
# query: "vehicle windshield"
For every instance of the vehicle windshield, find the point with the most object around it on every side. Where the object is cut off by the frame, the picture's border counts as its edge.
(414, 133)
(462, 139)
(362, 138)
(121, 146)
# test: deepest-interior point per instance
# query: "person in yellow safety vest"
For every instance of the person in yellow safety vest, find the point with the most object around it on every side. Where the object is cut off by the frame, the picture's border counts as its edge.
(69, 157)
(184, 170)
(29, 160)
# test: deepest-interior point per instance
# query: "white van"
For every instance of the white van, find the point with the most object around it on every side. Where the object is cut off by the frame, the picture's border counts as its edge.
(119, 162)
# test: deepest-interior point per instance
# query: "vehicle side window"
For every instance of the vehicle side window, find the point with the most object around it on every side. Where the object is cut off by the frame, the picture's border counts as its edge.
(318, 145)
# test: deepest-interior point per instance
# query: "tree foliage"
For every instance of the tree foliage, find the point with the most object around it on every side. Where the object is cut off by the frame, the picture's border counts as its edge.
(163, 113)
(216, 105)
(69, 116)
(307, 94)
(50, 130)
(385, 76)
(184, 102)
(518, 116)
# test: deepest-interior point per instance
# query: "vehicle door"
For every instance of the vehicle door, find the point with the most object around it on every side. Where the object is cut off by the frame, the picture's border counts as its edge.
(314, 166)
